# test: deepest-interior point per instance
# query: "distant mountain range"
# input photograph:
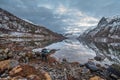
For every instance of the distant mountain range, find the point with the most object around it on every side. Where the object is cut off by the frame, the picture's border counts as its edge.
(107, 30)
(12, 26)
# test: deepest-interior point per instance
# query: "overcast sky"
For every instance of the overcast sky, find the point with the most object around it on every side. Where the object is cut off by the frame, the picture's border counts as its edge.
(63, 16)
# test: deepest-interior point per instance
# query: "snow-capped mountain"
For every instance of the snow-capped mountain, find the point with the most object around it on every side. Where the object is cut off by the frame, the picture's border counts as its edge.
(12, 26)
(107, 30)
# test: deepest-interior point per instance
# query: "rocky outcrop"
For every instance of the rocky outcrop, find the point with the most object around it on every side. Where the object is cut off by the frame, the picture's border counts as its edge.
(114, 70)
(7, 65)
(37, 69)
(107, 30)
(23, 70)
(12, 26)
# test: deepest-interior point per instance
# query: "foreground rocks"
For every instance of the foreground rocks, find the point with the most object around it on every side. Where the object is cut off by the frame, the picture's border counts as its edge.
(29, 66)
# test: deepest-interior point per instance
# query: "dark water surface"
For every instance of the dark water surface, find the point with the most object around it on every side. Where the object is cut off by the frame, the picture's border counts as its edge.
(72, 49)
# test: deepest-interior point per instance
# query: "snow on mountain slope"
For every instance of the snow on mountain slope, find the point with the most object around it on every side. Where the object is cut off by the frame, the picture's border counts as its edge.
(16, 27)
(107, 28)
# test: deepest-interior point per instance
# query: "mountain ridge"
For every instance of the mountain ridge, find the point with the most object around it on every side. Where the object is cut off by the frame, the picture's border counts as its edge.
(107, 30)
(11, 23)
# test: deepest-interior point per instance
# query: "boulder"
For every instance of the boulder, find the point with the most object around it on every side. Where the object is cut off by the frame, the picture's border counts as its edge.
(91, 65)
(29, 72)
(23, 71)
(7, 65)
(99, 57)
(114, 70)
(96, 78)
(47, 76)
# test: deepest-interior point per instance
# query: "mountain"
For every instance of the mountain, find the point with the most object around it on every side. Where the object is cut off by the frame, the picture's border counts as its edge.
(12, 26)
(107, 30)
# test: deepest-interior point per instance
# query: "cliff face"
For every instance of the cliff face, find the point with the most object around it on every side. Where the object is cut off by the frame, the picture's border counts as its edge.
(108, 29)
(12, 26)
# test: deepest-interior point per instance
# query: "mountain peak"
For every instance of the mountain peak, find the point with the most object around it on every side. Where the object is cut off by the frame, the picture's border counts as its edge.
(103, 21)
(108, 29)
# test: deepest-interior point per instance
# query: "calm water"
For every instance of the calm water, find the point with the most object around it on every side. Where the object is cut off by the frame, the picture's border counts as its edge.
(81, 51)
(73, 50)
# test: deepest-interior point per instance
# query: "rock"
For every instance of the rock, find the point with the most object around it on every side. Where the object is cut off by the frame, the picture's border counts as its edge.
(99, 57)
(69, 77)
(52, 61)
(33, 77)
(23, 70)
(81, 65)
(7, 65)
(5, 74)
(26, 57)
(5, 54)
(91, 65)
(114, 70)
(7, 78)
(6, 50)
(37, 54)
(22, 54)
(64, 60)
(1, 50)
(85, 70)
(47, 76)
(10, 54)
(96, 78)
(113, 76)
(18, 78)
(29, 55)
(3, 57)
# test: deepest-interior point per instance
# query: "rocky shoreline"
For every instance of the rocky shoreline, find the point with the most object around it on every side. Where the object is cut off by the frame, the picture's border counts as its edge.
(27, 65)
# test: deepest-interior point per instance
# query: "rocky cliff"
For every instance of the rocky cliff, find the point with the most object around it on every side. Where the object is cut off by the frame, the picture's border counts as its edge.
(108, 29)
(12, 26)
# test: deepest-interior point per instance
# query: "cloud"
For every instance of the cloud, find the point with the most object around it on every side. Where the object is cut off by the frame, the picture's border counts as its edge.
(45, 6)
(74, 20)
(61, 9)
(63, 15)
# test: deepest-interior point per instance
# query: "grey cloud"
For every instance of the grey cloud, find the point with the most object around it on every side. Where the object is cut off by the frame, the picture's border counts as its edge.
(98, 7)
(35, 11)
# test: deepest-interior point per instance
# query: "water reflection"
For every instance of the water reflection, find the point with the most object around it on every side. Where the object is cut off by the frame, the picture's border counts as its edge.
(109, 50)
(25, 42)
(72, 50)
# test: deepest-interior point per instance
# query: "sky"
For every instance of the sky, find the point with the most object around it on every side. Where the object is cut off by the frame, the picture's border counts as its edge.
(63, 16)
